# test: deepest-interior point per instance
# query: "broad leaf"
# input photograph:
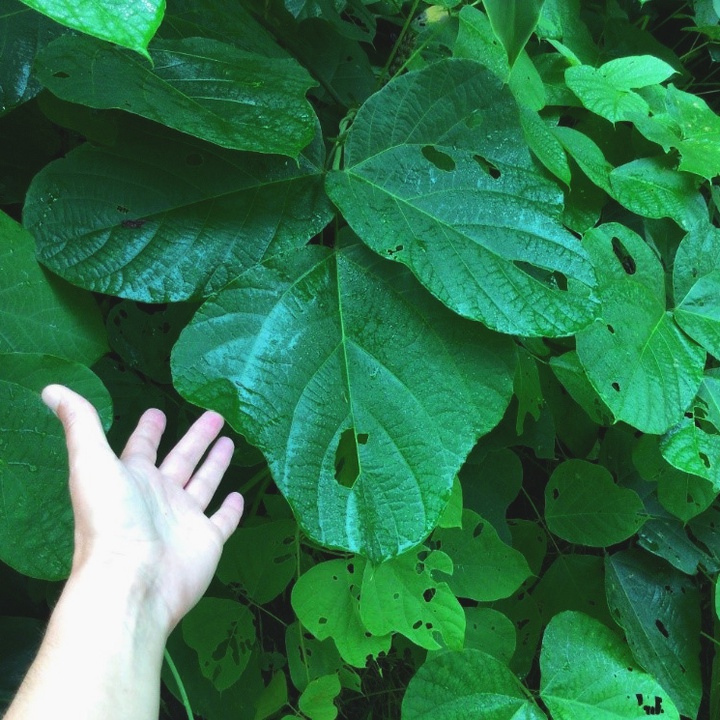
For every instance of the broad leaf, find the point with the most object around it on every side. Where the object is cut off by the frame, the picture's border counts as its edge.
(38, 312)
(162, 217)
(309, 658)
(334, 612)
(490, 631)
(22, 33)
(583, 505)
(202, 87)
(36, 524)
(437, 176)
(403, 595)
(467, 684)
(222, 632)
(484, 567)
(587, 155)
(691, 449)
(371, 384)
(588, 672)
(659, 610)
(640, 363)
(544, 144)
(317, 699)
(513, 21)
(130, 24)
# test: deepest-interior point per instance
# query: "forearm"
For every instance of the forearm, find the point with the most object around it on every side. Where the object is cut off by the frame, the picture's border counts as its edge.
(101, 656)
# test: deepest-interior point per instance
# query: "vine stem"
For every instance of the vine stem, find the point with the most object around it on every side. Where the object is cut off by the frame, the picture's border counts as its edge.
(397, 44)
(300, 628)
(181, 686)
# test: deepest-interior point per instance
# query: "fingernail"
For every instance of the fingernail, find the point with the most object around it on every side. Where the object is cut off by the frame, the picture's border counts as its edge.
(51, 397)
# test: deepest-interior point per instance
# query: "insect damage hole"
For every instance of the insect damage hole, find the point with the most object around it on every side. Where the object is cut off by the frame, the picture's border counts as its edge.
(441, 160)
(347, 462)
(487, 167)
(625, 258)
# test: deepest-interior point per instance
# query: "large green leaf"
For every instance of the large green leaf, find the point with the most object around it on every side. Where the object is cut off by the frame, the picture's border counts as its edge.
(39, 313)
(131, 23)
(484, 567)
(467, 684)
(659, 609)
(326, 601)
(438, 177)
(163, 217)
(583, 505)
(402, 595)
(22, 33)
(325, 357)
(199, 86)
(691, 449)
(637, 359)
(36, 525)
(222, 632)
(588, 672)
(513, 21)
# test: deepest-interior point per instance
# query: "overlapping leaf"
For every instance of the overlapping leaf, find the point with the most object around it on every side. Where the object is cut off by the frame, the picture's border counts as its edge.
(161, 217)
(199, 86)
(437, 176)
(320, 351)
(130, 24)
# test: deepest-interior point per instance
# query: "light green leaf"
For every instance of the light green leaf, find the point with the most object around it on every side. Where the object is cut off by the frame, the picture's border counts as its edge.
(544, 144)
(698, 314)
(691, 449)
(528, 392)
(261, 559)
(513, 21)
(659, 609)
(438, 177)
(402, 595)
(467, 684)
(452, 514)
(162, 217)
(709, 394)
(526, 85)
(584, 505)
(485, 568)
(477, 41)
(697, 255)
(326, 601)
(130, 24)
(36, 523)
(642, 366)
(38, 312)
(317, 699)
(199, 86)
(309, 658)
(588, 672)
(490, 631)
(335, 362)
(22, 33)
(608, 90)
(222, 632)
(652, 188)
(587, 155)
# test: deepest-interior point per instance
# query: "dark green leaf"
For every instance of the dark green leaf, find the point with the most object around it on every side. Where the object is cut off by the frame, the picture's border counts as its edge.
(513, 21)
(490, 631)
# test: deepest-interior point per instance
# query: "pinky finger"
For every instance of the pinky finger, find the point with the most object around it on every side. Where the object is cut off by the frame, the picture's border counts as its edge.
(227, 518)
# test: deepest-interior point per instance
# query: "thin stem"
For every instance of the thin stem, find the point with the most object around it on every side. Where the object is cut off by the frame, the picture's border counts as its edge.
(397, 44)
(300, 628)
(179, 683)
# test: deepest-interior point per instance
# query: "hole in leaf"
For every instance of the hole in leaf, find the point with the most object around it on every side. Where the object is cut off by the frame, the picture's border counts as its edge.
(555, 493)
(60, 74)
(625, 258)
(350, 568)
(429, 625)
(429, 594)
(616, 387)
(487, 167)
(347, 463)
(122, 209)
(133, 223)
(322, 621)
(552, 279)
(420, 568)
(396, 596)
(362, 438)
(417, 625)
(368, 634)
(474, 119)
(611, 329)
(659, 625)
(194, 159)
(477, 531)
(397, 249)
(705, 459)
(441, 160)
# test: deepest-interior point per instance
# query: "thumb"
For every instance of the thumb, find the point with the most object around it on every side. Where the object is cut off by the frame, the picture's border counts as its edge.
(79, 419)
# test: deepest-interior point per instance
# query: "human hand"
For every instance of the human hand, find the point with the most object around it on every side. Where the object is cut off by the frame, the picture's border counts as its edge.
(141, 521)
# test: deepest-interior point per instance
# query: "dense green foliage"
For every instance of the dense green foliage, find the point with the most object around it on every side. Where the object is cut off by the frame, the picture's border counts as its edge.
(451, 273)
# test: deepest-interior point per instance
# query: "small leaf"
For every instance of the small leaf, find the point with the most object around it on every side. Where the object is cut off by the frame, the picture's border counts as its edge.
(588, 672)
(691, 449)
(222, 632)
(659, 609)
(309, 658)
(317, 699)
(583, 505)
(401, 595)
(202, 87)
(130, 24)
(544, 144)
(452, 514)
(274, 697)
(326, 601)
(490, 631)
(467, 684)
(513, 22)
(485, 568)
(587, 155)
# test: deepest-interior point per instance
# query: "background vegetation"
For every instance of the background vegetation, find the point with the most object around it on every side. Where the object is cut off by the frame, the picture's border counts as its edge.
(452, 274)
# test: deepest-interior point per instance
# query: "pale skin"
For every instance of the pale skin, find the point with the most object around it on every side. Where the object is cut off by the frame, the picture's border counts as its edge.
(145, 552)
